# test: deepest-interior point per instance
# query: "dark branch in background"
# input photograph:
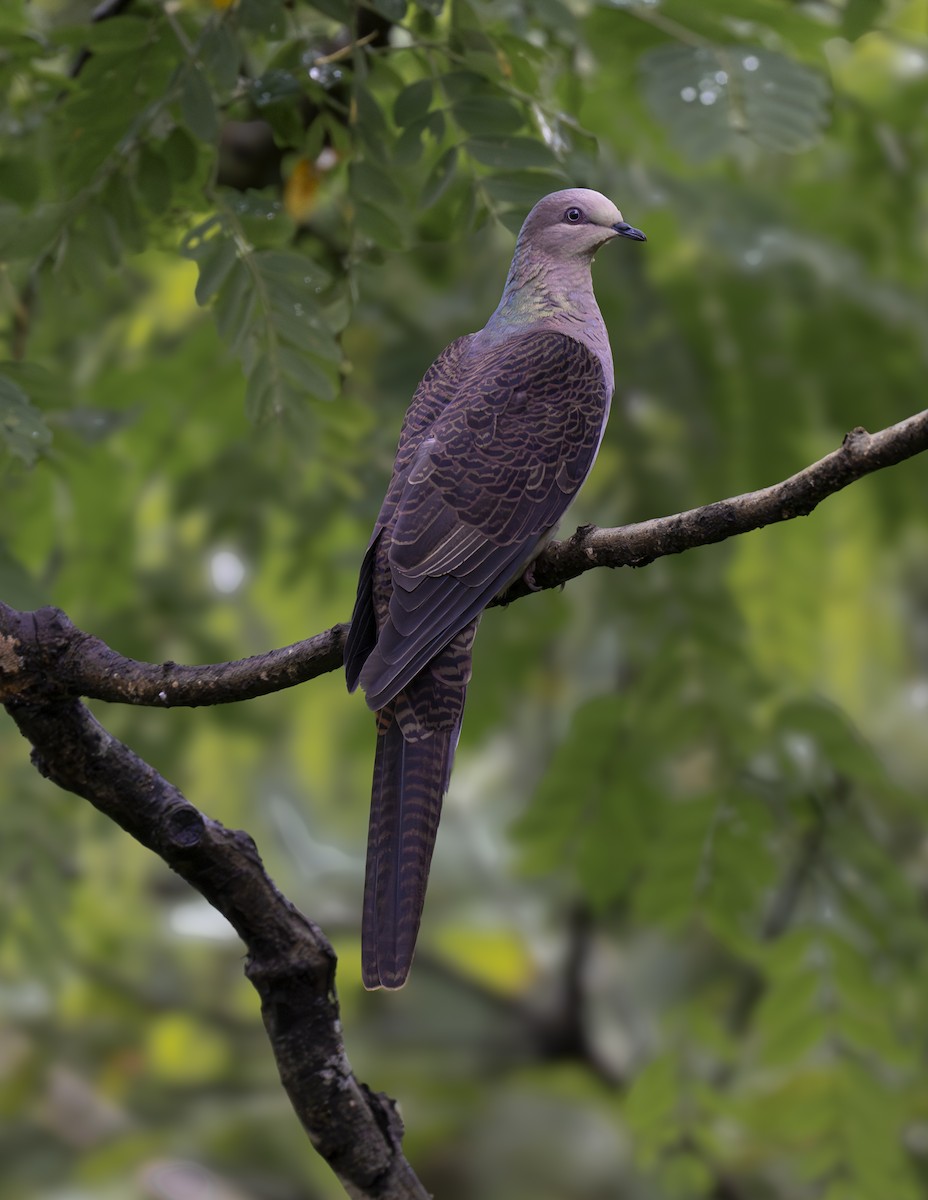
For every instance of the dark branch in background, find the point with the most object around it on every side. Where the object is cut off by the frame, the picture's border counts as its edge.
(786, 900)
(83, 665)
(542, 1025)
(290, 962)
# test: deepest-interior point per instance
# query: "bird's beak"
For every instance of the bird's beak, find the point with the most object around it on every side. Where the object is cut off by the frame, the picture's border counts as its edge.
(623, 229)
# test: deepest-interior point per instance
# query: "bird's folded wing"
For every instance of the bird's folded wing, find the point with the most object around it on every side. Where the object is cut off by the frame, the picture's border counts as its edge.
(485, 481)
(435, 391)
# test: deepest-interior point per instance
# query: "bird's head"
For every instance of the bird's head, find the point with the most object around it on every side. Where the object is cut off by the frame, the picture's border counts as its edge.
(573, 224)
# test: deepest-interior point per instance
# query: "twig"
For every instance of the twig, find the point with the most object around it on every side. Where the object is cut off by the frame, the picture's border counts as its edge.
(347, 50)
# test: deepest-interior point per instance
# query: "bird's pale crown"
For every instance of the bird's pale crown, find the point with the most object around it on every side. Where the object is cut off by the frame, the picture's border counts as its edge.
(572, 224)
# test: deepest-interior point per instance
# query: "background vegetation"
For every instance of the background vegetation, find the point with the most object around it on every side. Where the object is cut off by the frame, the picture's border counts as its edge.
(676, 938)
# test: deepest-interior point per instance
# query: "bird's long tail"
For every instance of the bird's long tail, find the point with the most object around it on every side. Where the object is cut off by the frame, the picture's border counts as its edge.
(417, 735)
(410, 781)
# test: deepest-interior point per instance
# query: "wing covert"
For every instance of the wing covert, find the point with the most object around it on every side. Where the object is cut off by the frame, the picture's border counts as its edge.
(436, 389)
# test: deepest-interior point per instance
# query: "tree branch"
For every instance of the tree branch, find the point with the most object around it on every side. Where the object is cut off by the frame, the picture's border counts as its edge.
(83, 665)
(290, 963)
(860, 454)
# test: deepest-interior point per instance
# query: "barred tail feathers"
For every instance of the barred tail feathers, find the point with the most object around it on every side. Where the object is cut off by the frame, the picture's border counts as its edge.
(410, 781)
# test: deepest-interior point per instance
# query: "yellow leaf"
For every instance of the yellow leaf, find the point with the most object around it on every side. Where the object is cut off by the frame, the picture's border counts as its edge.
(498, 957)
(182, 1050)
(301, 190)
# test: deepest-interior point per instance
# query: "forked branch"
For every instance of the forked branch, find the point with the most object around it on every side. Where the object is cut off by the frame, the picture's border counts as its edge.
(290, 962)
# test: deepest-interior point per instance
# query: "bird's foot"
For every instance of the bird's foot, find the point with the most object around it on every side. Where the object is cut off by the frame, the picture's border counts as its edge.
(528, 578)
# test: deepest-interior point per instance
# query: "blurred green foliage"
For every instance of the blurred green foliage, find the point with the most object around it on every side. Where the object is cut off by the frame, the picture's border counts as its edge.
(700, 786)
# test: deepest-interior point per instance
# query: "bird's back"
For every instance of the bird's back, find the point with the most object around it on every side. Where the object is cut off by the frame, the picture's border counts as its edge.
(496, 443)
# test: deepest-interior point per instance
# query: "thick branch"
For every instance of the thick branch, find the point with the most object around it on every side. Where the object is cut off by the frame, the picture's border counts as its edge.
(290, 962)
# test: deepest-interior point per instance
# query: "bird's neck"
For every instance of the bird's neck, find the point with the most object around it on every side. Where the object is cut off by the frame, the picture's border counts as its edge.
(542, 294)
(538, 287)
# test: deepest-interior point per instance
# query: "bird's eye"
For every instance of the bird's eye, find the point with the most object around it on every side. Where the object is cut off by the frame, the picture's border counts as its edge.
(573, 215)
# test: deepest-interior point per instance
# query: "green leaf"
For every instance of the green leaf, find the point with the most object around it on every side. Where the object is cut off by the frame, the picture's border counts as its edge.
(712, 97)
(524, 62)
(221, 55)
(13, 17)
(267, 17)
(514, 153)
(413, 102)
(194, 242)
(839, 743)
(309, 376)
(307, 328)
(27, 236)
(22, 428)
(129, 33)
(19, 178)
(120, 204)
(409, 147)
(215, 261)
(259, 391)
(859, 17)
(48, 389)
(393, 10)
(338, 10)
(523, 188)
(488, 115)
(153, 178)
(596, 805)
(98, 229)
(17, 587)
(197, 105)
(512, 219)
(380, 226)
(372, 125)
(275, 87)
(371, 183)
(284, 266)
(180, 153)
(234, 307)
(459, 85)
(91, 425)
(439, 178)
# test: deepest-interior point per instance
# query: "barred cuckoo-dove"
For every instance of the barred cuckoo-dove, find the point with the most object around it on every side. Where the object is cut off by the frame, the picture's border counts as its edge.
(500, 434)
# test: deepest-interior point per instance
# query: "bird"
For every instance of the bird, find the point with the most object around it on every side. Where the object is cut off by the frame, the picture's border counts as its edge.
(501, 432)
